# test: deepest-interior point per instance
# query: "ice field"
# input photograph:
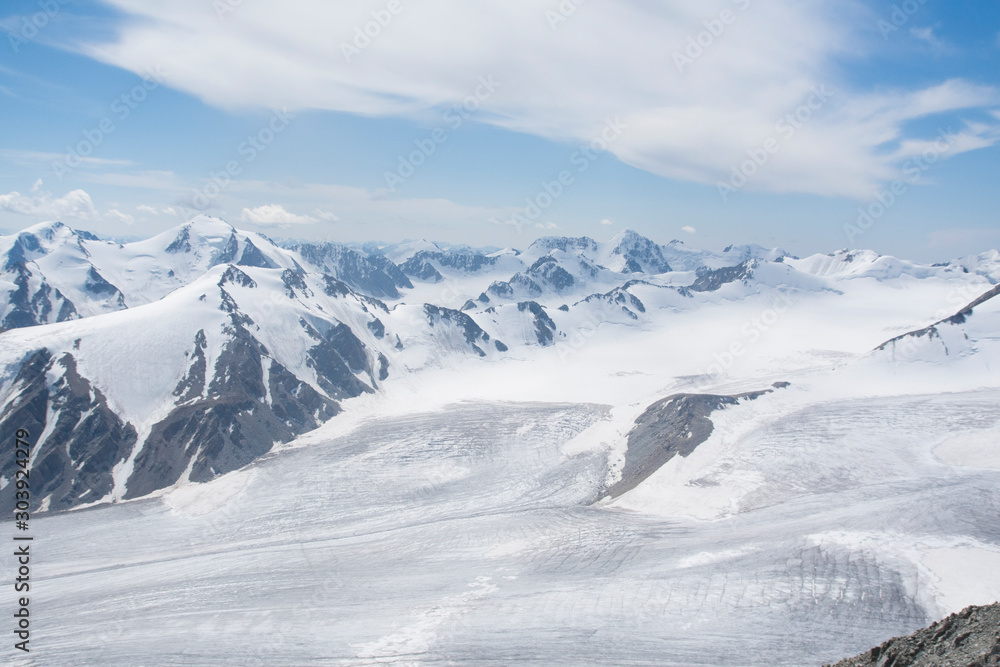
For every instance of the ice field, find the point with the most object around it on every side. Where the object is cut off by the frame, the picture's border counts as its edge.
(466, 535)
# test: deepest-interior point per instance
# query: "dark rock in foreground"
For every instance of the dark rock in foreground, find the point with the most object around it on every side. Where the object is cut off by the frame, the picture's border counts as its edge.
(970, 638)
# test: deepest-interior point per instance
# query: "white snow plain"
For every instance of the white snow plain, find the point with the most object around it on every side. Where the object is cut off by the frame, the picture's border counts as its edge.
(456, 516)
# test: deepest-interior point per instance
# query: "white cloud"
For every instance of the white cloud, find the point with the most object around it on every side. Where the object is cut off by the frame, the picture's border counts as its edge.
(274, 215)
(325, 215)
(606, 221)
(41, 157)
(926, 35)
(689, 229)
(74, 205)
(114, 215)
(607, 60)
(369, 208)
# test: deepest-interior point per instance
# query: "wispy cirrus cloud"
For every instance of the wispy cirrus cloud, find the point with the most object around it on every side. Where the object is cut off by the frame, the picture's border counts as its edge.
(42, 158)
(607, 60)
(274, 215)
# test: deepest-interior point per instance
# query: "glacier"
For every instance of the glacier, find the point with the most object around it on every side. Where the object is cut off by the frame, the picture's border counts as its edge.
(452, 504)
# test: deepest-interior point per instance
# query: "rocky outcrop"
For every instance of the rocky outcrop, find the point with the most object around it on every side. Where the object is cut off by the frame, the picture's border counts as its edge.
(85, 438)
(373, 275)
(970, 638)
(545, 328)
(932, 331)
(673, 426)
(709, 280)
(472, 333)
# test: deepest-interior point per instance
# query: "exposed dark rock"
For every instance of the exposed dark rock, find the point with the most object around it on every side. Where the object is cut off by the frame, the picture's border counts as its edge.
(547, 271)
(236, 277)
(383, 366)
(338, 357)
(471, 331)
(422, 264)
(619, 296)
(373, 274)
(970, 638)
(74, 463)
(641, 255)
(27, 309)
(709, 280)
(672, 426)
(469, 262)
(295, 280)
(192, 385)
(376, 327)
(958, 318)
(335, 287)
(566, 244)
(252, 256)
(519, 285)
(501, 290)
(182, 242)
(545, 328)
(238, 417)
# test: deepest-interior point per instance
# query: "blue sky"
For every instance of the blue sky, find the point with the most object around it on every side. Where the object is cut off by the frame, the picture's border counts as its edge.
(810, 124)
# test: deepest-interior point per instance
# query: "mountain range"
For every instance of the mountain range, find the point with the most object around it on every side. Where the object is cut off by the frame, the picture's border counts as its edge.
(431, 452)
(190, 354)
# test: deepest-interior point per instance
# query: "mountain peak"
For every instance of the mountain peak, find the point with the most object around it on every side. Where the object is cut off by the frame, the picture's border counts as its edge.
(627, 235)
(208, 225)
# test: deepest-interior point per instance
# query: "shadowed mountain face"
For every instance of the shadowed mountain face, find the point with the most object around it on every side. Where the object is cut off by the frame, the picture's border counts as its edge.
(970, 638)
(85, 437)
(229, 389)
(373, 275)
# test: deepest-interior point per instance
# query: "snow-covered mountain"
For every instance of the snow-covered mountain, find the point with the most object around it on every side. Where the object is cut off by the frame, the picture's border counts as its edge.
(48, 275)
(190, 354)
(194, 385)
(652, 453)
(371, 274)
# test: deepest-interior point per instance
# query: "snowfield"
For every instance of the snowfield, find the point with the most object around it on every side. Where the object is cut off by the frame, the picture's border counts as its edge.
(465, 536)
(456, 512)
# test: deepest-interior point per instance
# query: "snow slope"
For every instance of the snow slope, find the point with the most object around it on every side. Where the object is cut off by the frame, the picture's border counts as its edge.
(455, 511)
